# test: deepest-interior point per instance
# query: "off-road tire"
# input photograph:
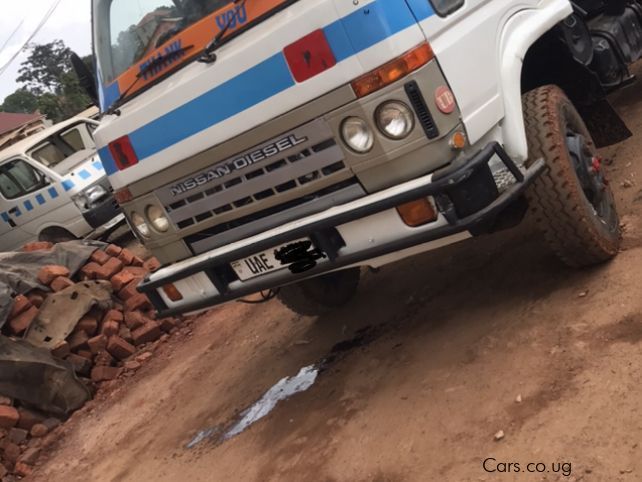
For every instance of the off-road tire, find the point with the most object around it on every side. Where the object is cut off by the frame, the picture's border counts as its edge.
(322, 294)
(569, 222)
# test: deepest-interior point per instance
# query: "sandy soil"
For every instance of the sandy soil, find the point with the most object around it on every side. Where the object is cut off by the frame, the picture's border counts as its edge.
(449, 344)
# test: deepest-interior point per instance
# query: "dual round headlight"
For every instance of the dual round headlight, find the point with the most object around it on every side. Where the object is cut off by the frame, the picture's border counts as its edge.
(394, 119)
(155, 217)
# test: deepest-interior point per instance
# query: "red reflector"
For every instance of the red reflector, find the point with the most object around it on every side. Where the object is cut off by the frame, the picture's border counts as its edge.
(445, 99)
(309, 56)
(123, 153)
(123, 196)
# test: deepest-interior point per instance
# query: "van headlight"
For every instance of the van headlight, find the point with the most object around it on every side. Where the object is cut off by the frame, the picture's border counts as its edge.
(139, 224)
(395, 119)
(357, 134)
(88, 198)
(157, 218)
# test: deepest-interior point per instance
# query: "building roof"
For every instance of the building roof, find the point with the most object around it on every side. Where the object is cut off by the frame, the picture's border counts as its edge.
(10, 121)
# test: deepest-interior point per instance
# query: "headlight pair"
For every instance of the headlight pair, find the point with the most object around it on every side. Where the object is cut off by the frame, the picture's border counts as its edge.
(155, 217)
(394, 119)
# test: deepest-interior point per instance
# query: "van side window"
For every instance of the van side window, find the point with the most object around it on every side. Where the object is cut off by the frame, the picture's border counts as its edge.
(63, 146)
(17, 178)
(446, 7)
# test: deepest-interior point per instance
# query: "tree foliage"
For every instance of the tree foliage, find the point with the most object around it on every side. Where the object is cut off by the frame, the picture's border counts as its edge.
(49, 84)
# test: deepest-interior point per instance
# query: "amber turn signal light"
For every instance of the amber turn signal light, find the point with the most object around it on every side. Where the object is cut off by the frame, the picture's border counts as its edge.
(417, 213)
(393, 70)
(172, 293)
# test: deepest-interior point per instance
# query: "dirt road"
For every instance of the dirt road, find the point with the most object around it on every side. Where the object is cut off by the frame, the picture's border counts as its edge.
(451, 348)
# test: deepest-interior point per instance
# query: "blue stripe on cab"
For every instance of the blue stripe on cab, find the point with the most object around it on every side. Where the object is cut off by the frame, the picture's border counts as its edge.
(40, 199)
(68, 184)
(107, 160)
(52, 192)
(422, 9)
(253, 86)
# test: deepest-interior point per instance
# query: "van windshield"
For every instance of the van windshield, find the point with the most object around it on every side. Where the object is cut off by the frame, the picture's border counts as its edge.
(65, 149)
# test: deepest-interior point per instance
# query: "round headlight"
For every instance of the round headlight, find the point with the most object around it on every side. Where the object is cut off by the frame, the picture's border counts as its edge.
(139, 224)
(395, 119)
(158, 219)
(357, 134)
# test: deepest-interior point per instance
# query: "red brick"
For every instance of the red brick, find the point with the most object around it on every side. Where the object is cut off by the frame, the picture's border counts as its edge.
(61, 350)
(134, 319)
(137, 261)
(137, 271)
(120, 280)
(103, 373)
(138, 302)
(113, 315)
(29, 418)
(113, 250)
(88, 324)
(152, 264)
(78, 340)
(80, 364)
(60, 283)
(97, 343)
(90, 270)
(126, 256)
(48, 273)
(11, 452)
(22, 469)
(168, 324)
(39, 430)
(18, 435)
(119, 348)
(36, 298)
(20, 304)
(109, 269)
(130, 290)
(9, 416)
(150, 331)
(151, 313)
(21, 323)
(38, 246)
(99, 257)
(104, 359)
(86, 354)
(110, 328)
(126, 334)
(30, 456)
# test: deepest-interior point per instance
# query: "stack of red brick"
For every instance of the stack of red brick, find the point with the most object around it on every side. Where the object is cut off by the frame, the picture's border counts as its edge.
(23, 434)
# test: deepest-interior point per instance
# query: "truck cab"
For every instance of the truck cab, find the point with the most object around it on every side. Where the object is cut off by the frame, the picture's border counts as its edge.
(282, 145)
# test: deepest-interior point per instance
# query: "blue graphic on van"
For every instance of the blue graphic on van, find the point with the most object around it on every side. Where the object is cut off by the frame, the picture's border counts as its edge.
(53, 192)
(28, 205)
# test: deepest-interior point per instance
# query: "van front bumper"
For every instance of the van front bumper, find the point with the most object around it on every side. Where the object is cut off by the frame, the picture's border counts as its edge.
(461, 194)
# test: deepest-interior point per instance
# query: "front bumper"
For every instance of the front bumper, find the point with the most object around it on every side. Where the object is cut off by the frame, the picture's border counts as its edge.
(455, 190)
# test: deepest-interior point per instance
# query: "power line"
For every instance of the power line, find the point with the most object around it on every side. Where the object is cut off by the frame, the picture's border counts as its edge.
(6, 42)
(42, 23)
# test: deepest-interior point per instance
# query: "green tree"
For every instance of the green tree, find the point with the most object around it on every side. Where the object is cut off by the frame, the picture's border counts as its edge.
(21, 101)
(48, 75)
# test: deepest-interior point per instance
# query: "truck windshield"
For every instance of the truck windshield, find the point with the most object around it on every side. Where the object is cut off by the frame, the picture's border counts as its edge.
(137, 28)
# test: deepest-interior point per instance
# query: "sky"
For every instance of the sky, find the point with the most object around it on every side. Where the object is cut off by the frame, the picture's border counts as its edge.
(70, 23)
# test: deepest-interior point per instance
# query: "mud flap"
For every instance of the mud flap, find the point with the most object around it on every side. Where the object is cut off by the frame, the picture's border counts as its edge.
(604, 123)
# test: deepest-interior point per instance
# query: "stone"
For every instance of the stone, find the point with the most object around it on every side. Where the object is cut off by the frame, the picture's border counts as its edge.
(138, 302)
(81, 365)
(119, 348)
(29, 418)
(11, 452)
(61, 283)
(97, 344)
(104, 373)
(61, 350)
(22, 322)
(8, 416)
(18, 435)
(39, 430)
(20, 304)
(78, 340)
(22, 469)
(131, 365)
(150, 331)
(499, 435)
(30, 456)
(143, 357)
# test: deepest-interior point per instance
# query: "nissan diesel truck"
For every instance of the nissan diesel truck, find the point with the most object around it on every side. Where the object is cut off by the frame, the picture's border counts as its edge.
(284, 145)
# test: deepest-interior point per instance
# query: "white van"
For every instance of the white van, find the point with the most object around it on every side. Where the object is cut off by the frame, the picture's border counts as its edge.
(53, 187)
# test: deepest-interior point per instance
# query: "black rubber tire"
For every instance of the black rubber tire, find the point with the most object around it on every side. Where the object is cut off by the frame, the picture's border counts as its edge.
(56, 235)
(560, 207)
(322, 294)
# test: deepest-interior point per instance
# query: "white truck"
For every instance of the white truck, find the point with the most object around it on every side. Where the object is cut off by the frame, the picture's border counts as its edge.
(284, 144)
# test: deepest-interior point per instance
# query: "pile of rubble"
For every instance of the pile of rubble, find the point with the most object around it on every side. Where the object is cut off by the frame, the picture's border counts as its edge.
(107, 342)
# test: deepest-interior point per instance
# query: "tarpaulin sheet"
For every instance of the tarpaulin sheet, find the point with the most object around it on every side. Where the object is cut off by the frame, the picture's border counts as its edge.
(19, 270)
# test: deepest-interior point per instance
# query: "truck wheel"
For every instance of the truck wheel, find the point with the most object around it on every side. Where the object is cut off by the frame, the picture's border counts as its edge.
(572, 201)
(319, 295)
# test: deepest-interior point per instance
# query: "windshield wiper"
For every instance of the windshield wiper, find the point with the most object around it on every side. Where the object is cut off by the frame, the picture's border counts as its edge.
(209, 54)
(150, 67)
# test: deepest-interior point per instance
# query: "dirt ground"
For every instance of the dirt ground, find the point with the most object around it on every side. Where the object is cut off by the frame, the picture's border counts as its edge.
(451, 347)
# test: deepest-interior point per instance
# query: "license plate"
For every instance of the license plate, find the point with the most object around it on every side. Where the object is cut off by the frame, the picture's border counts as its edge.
(260, 263)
